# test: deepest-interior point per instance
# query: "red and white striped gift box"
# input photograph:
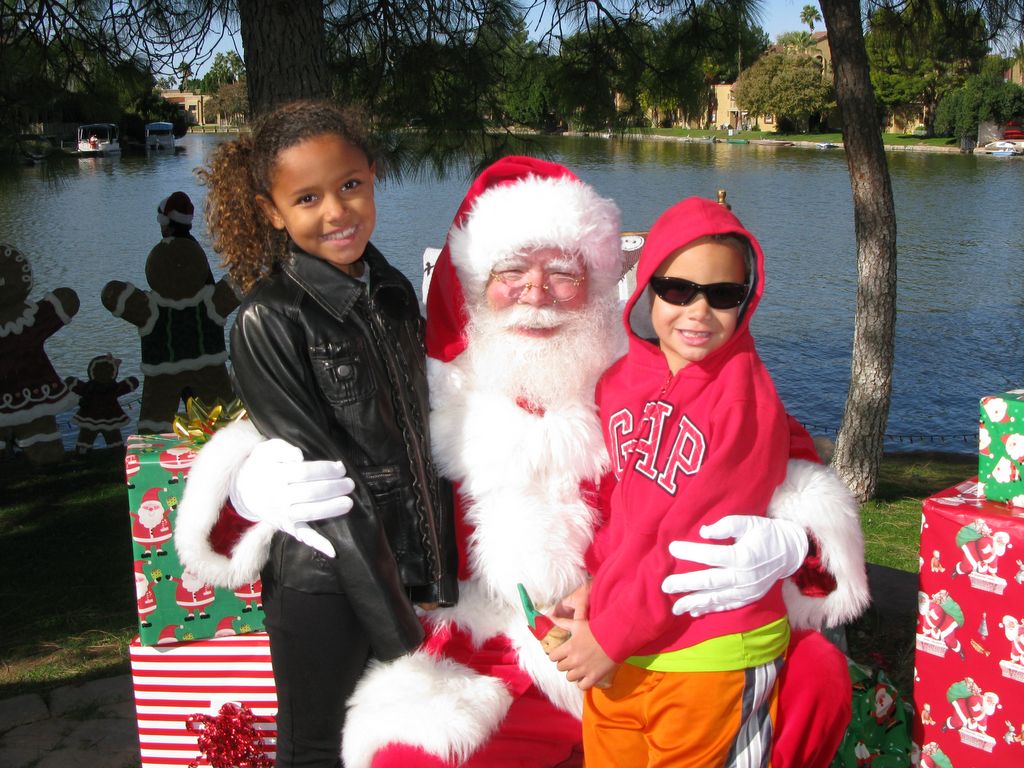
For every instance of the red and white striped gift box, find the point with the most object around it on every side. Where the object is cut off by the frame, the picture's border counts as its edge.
(174, 681)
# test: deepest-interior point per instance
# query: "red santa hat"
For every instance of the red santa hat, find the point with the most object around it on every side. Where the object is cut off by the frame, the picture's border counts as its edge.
(167, 635)
(225, 627)
(138, 568)
(152, 495)
(176, 207)
(517, 203)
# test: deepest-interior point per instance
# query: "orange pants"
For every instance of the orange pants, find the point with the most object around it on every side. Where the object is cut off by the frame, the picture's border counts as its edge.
(681, 719)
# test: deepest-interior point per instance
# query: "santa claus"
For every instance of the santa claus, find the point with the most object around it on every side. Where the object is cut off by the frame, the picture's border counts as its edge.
(982, 547)
(940, 617)
(193, 595)
(144, 595)
(514, 425)
(971, 706)
(150, 526)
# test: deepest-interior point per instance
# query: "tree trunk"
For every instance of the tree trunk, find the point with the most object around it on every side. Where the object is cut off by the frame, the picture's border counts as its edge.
(285, 54)
(859, 443)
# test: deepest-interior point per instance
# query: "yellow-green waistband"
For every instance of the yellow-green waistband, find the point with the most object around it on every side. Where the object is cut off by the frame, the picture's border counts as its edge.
(741, 650)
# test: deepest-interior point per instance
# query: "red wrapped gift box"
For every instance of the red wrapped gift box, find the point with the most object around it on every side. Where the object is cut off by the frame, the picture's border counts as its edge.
(177, 681)
(969, 661)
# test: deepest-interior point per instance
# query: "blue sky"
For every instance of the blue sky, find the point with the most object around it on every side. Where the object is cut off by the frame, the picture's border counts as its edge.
(784, 16)
(777, 16)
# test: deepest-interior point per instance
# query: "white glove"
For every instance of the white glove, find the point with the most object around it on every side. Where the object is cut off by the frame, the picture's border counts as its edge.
(765, 551)
(276, 486)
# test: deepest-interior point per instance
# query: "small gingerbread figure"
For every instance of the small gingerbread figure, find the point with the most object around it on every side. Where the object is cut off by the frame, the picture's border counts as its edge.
(99, 412)
(31, 392)
(180, 321)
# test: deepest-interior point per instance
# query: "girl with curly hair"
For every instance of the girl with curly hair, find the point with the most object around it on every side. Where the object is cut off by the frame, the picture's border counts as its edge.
(327, 356)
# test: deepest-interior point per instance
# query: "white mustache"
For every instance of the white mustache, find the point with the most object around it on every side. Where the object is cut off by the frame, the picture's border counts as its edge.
(521, 316)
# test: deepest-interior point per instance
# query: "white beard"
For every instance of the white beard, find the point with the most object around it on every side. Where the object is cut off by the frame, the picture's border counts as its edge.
(545, 371)
(520, 469)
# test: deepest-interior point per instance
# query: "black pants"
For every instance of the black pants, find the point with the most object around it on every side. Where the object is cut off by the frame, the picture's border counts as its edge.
(319, 651)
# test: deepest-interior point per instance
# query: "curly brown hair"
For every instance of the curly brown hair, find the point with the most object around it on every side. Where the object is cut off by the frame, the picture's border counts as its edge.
(242, 169)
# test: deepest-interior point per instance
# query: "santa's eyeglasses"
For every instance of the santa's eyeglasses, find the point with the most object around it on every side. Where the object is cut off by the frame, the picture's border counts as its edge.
(560, 286)
(681, 292)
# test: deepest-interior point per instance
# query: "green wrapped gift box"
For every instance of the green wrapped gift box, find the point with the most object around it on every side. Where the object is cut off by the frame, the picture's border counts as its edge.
(1001, 447)
(173, 604)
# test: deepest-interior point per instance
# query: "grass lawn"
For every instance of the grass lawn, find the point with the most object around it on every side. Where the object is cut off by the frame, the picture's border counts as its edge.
(893, 139)
(67, 591)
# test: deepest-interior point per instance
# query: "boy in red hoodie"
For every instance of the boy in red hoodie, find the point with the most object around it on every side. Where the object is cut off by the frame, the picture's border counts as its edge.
(696, 431)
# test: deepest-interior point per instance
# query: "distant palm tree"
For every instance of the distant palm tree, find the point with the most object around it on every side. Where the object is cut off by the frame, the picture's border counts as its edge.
(185, 72)
(1017, 54)
(809, 15)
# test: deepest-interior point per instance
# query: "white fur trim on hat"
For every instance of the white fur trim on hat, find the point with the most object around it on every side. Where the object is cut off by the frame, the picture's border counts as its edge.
(815, 498)
(535, 212)
(208, 489)
(176, 207)
(436, 704)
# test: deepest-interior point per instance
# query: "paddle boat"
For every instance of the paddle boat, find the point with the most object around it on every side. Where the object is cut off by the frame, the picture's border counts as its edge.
(1002, 149)
(98, 139)
(159, 135)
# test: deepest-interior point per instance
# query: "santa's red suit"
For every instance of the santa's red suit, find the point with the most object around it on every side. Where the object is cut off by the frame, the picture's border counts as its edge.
(972, 712)
(150, 526)
(480, 691)
(982, 554)
(938, 624)
(193, 595)
(144, 595)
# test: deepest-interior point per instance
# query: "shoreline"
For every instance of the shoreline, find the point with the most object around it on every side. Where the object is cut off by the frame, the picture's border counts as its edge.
(737, 140)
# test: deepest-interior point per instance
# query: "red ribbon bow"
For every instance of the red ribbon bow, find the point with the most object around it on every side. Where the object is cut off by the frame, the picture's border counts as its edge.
(229, 739)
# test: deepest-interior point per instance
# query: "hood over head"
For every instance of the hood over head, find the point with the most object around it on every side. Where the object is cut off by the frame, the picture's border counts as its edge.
(683, 223)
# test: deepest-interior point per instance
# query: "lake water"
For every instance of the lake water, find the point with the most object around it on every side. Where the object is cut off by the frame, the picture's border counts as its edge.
(960, 327)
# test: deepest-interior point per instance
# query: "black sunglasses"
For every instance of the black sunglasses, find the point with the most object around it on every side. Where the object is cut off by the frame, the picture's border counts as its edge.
(681, 292)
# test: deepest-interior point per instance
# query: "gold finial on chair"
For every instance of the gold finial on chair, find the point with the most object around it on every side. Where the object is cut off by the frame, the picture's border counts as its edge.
(722, 200)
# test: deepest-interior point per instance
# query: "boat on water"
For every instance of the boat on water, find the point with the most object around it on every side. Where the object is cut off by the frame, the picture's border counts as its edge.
(160, 135)
(737, 141)
(98, 139)
(826, 145)
(1003, 148)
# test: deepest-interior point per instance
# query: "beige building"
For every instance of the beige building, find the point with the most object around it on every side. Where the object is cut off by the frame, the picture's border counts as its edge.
(192, 104)
(725, 111)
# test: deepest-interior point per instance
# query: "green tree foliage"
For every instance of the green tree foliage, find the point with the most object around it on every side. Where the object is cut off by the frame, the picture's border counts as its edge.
(922, 52)
(227, 68)
(983, 97)
(789, 86)
(798, 41)
(231, 101)
(810, 14)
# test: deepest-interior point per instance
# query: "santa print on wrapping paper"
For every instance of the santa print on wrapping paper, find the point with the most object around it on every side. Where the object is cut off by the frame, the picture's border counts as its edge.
(177, 460)
(180, 320)
(151, 528)
(971, 709)
(932, 756)
(31, 392)
(192, 595)
(939, 618)
(251, 595)
(1012, 664)
(982, 547)
(144, 595)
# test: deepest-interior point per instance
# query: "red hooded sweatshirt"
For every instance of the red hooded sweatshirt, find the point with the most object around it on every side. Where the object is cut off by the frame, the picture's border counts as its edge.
(688, 449)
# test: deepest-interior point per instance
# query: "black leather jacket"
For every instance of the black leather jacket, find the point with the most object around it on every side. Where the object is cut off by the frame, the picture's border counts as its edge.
(337, 368)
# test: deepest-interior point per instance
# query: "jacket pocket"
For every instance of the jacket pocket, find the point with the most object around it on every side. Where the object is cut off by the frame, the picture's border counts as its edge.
(396, 509)
(343, 373)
